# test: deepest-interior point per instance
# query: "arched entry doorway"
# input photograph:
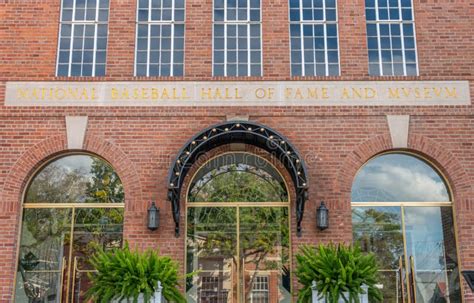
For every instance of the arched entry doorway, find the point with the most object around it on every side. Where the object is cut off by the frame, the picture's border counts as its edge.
(238, 231)
(237, 213)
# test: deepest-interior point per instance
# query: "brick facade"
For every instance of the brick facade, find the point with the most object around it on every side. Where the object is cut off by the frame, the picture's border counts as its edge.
(141, 142)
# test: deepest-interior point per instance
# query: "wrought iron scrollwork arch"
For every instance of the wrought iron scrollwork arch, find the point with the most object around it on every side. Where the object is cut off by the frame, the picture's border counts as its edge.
(247, 132)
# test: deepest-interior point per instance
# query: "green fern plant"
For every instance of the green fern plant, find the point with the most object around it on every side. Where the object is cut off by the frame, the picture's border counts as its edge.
(336, 269)
(122, 274)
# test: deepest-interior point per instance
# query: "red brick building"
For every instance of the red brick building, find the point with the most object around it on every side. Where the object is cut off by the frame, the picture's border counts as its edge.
(315, 88)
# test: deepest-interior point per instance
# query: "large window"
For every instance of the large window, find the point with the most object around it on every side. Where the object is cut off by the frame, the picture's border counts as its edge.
(402, 212)
(83, 38)
(313, 34)
(73, 205)
(391, 38)
(229, 198)
(237, 48)
(160, 38)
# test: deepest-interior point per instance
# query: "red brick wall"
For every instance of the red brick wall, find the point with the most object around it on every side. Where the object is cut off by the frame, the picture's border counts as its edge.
(141, 142)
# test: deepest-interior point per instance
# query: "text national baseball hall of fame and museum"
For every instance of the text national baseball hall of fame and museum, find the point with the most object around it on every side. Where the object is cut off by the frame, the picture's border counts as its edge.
(251, 93)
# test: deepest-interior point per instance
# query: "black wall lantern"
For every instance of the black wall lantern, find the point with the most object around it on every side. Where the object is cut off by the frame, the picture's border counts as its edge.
(153, 217)
(322, 216)
(469, 276)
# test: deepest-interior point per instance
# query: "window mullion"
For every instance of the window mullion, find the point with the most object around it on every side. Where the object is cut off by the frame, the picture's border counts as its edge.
(172, 24)
(148, 55)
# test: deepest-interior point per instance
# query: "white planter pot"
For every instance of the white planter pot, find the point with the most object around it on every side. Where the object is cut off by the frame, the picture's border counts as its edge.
(156, 298)
(364, 298)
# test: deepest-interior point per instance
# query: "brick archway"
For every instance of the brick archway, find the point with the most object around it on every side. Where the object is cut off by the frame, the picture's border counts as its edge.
(445, 161)
(20, 174)
(459, 180)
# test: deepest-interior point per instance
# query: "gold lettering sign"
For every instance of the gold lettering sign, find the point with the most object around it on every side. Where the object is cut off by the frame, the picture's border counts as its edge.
(249, 93)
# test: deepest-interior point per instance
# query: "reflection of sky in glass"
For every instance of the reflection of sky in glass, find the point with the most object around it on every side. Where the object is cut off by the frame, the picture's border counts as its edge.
(398, 178)
(75, 162)
(424, 236)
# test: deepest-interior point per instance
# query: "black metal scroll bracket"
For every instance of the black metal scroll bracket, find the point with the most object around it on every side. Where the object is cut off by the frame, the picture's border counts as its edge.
(251, 133)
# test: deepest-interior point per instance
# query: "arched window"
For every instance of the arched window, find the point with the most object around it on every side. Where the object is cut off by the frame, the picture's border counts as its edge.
(230, 198)
(402, 211)
(72, 206)
(238, 177)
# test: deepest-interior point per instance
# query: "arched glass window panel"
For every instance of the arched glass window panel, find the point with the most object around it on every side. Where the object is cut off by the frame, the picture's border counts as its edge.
(76, 179)
(238, 177)
(399, 177)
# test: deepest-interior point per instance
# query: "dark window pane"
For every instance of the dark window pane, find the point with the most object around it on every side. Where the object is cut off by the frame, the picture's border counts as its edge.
(295, 15)
(142, 15)
(100, 57)
(87, 70)
(320, 70)
(333, 70)
(179, 15)
(387, 69)
(398, 69)
(331, 14)
(141, 70)
(296, 70)
(296, 57)
(373, 56)
(374, 70)
(103, 15)
(67, 15)
(331, 30)
(369, 3)
(410, 56)
(100, 70)
(75, 70)
(411, 69)
(141, 57)
(63, 70)
(255, 70)
(142, 30)
(218, 70)
(370, 14)
(65, 43)
(63, 57)
(177, 70)
(409, 42)
(406, 14)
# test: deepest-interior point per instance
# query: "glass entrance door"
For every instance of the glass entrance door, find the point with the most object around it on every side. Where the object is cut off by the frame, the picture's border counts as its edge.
(55, 246)
(431, 254)
(415, 249)
(238, 232)
(241, 254)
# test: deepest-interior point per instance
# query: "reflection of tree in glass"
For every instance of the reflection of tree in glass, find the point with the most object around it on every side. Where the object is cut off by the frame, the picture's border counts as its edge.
(104, 185)
(57, 184)
(380, 232)
(263, 231)
(99, 183)
(238, 183)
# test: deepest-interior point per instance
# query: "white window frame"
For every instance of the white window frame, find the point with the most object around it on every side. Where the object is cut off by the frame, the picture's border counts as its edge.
(265, 290)
(324, 23)
(247, 22)
(377, 22)
(150, 23)
(73, 23)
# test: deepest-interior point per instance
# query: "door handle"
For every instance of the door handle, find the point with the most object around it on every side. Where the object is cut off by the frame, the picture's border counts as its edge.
(74, 269)
(400, 272)
(63, 268)
(413, 280)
